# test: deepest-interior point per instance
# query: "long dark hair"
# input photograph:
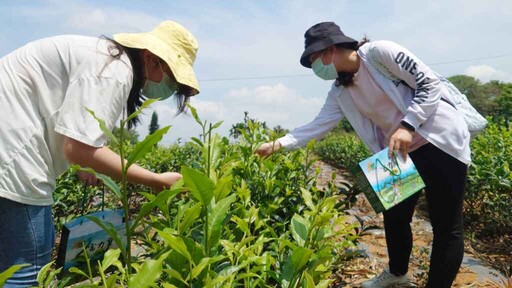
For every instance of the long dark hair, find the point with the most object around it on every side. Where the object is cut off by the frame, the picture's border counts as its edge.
(135, 99)
(346, 78)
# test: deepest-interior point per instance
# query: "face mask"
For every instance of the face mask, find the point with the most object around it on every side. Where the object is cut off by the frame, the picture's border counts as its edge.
(326, 72)
(163, 89)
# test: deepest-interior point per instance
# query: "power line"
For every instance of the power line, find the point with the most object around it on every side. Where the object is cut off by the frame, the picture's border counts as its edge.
(304, 75)
(256, 77)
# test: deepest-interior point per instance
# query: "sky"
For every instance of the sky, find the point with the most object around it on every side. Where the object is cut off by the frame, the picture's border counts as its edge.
(248, 58)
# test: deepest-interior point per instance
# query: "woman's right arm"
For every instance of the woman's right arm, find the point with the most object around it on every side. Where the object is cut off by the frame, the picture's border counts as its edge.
(105, 161)
(325, 121)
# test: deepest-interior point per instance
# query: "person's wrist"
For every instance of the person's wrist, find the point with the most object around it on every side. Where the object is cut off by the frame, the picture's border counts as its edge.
(277, 145)
(156, 180)
(407, 126)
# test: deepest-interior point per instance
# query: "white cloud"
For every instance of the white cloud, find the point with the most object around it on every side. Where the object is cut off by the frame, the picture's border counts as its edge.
(275, 104)
(82, 17)
(485, 73)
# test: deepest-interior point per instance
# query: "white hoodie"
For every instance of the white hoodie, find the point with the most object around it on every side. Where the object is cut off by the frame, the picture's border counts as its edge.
(390, 65)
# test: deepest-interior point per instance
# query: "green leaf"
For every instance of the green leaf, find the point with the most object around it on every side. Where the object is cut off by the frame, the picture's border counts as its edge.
(189, 217)
(111, 281)
(9, 272)
(106, 180)
(161, 201)
(110, 257)
(308, 199)
(110, 184)
(176, 243)
(197, 141)
(110, 229)
(176, 275)
(194, 114)
(299, 229)
(51, 277)
(216, 125)
(287, 272)
(164, 198)
(144, 105)
(216, 219)
(310, 283)
(199, 184)
(241, 224)
(223, 187)
(203, 264)
(300, 256)
(43, 273)
(78, 271)
(148, 274)
(142, 148)
(104, 128)
(215, 147)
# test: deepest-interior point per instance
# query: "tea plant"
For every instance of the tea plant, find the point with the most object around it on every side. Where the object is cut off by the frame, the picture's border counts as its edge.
(149, 269)
(342, 150)
(489, 189)
(234, 220)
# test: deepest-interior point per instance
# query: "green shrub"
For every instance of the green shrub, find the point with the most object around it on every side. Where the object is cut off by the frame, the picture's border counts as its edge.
(342, 150)
(163, 159)
(235, 220)
(489, 192)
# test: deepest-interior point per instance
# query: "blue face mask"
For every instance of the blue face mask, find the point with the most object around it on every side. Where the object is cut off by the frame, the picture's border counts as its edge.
(326, 72)
(163, 89)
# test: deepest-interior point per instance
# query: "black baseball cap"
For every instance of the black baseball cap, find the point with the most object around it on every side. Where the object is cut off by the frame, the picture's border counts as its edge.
(321, 36)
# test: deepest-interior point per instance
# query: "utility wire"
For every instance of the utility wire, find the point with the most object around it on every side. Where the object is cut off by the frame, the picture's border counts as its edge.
(256, 77)
(304, 75)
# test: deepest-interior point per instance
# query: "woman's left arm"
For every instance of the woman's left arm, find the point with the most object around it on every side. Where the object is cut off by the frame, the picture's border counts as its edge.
(407, 67)
(105, 161)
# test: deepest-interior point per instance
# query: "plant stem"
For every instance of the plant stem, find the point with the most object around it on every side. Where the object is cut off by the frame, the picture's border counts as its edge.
(88, 261)
(208, 167)
(209, 160)
(206, 242)
(124, 193)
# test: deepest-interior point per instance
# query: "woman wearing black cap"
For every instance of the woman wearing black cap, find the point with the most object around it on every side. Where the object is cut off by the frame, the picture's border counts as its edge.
(393, 99)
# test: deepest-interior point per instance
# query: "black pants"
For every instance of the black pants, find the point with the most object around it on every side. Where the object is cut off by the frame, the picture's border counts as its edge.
(445, 179)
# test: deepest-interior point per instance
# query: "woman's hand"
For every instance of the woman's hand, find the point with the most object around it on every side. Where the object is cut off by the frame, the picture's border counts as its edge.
(88, 178)
(400, 142)
(165, 180)
(268, 148)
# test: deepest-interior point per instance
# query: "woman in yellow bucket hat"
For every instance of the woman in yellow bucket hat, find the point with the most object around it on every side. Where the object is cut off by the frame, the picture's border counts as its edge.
(45, 87)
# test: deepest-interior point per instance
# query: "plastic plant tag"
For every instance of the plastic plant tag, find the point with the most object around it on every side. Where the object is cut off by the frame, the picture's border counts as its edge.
(83, 232)
(387, 182)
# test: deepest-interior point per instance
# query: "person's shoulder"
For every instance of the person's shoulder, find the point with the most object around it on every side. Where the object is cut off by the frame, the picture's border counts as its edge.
(377, 46)
(383, 48)
(383, 44)
(72, 39)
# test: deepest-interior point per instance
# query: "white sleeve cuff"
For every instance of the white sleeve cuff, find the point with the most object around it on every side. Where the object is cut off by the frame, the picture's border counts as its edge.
(288, 142)
(414, 120)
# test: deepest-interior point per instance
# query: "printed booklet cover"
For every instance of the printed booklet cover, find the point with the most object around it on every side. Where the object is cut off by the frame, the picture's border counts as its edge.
(387, 182)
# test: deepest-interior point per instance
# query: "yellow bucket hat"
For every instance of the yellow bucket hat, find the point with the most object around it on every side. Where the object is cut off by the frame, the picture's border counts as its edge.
(171, 42)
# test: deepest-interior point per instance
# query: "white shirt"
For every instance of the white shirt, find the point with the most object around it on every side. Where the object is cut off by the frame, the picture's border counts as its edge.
(375, 105)
(420, 101)
(45, 87)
